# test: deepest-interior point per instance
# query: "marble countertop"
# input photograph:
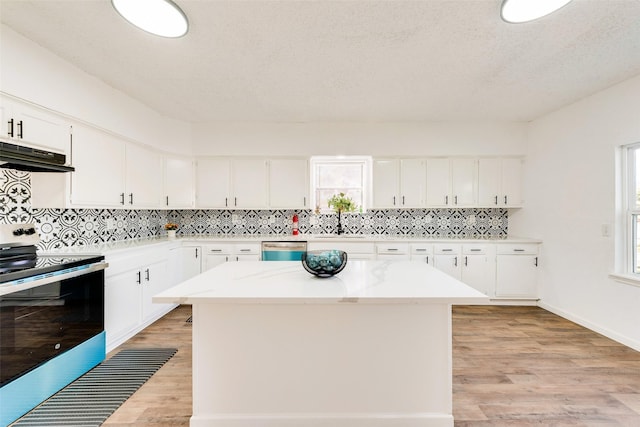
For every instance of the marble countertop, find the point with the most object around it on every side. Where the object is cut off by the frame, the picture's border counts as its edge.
(287, 282)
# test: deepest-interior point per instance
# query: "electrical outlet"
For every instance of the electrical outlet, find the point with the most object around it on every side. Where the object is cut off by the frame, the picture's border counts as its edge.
(272, 219)
(471, 220)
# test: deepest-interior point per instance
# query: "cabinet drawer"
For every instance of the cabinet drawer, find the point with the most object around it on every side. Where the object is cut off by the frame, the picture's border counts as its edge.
(421, 249)
(475, 249)
(517, 249)
(348, 247)
(217, 249)
(246, 249)
(392, 248)
(446, 249)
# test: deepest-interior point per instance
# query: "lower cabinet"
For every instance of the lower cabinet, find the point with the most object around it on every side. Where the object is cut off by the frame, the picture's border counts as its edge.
(354, 250)
(446, 258)
(421, 252)
(131, 280)
(216, 254)
(185, 262)
(517, 271)
(478, 267)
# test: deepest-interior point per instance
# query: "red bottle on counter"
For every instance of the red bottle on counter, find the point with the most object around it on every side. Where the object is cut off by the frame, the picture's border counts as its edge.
(295, 224)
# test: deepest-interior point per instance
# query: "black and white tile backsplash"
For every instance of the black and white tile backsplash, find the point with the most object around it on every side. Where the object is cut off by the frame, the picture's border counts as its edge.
(74, 227)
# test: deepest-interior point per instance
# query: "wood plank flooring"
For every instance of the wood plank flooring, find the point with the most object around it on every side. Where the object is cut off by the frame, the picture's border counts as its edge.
(513, 366)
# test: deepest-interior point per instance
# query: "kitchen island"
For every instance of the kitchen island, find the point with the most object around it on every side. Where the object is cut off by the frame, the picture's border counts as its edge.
(276, 346)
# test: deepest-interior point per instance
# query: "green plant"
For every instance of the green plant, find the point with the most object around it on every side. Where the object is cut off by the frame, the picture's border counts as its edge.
(342, 203)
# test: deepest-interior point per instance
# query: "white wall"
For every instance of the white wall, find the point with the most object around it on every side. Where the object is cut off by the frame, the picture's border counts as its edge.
(570, 194)
(31, 72)
(377, 139)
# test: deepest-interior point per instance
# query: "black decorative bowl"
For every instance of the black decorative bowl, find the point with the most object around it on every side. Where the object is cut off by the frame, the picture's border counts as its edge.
(324, 263)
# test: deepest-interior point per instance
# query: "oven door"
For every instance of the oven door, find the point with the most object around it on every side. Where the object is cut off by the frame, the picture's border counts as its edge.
(46, 319)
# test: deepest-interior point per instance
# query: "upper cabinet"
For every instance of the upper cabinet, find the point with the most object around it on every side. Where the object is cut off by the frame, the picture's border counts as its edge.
(109, 172)
(179, 177)
(289, 183)
(500, 182)
(99, 160)
(452, 182)
(25, 124)
(143, 177)
(399, 183)
(224, 183)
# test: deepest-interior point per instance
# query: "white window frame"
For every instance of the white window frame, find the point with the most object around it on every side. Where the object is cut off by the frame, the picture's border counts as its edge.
(364, 161)
(626, 239)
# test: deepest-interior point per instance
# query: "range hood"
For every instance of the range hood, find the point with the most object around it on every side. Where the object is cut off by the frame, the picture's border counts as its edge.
(31, 159)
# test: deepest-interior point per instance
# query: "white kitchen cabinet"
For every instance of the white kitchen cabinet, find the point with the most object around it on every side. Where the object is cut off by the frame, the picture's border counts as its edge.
(447, 258)
(179, 182)
(354, 250)
(517, 271)
(109, 173)
(421, 252)
(225, 183)
(191, 261)
(143, 177)
(452, 182)
(249, 182)
(288, 184)
(399, 183)
(99, 160)
(396, 251)
(478, 267)
(219, 253)
(213, 181)
(500, 182)
(26, 124)
(438, 182)
(132, 279)
(184, 263)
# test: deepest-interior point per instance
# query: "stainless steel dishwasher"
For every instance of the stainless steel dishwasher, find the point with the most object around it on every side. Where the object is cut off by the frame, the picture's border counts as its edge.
(283, 250)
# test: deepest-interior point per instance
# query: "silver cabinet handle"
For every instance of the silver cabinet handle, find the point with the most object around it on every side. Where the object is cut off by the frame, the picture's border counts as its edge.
(446, 200)
(496, 200)
(394, 200)
(130, 198)
(535, 261)
(392, 249)
(402, 200)
(146, 275)
(447, 250)
(465, 261)
(455, 261)
(196, 252)
(518, 250)
(421, 250)
(139, 280)
(455, 200)
(505, 200)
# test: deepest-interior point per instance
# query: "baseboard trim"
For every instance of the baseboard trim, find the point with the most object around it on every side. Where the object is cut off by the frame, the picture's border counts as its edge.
(325, 420)
(590, 325)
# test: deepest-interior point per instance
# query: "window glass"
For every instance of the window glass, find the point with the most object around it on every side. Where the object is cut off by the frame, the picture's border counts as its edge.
(334, 175)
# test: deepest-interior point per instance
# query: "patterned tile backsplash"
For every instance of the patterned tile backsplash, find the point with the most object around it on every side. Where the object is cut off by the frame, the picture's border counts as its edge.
(73, 227)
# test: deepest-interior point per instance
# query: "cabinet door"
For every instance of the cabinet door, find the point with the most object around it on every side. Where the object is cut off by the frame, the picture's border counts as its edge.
(249, 182)
(464, 182)
(178, 182)
(449, 264)
(191, 257)
(288, 183)
(438, 183)
(121, 304)
(489, 182)
(211, 261)
(213, 179)
(413, 183)
(154, 281)
(34, 126)
(386, 183)
(144, 177)
(99, 160)
(476, 272)
(512, 182)
(516, 276)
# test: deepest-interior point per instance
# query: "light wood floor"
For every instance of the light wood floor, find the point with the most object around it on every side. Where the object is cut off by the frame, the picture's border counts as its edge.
(513, 366)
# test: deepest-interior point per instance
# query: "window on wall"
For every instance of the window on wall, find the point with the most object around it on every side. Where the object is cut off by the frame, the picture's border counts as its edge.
(333, 175)
(631, 161)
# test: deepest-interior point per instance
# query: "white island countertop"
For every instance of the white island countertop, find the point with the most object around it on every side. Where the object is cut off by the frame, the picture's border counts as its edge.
(288, 282)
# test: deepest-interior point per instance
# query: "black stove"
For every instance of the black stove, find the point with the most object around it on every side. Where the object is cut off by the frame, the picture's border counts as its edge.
(21, 263)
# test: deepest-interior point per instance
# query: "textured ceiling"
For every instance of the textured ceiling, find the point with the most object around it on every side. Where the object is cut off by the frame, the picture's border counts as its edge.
(300, 61)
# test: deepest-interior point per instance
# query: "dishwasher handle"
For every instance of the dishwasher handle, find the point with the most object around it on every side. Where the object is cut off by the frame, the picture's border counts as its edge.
(284, 246)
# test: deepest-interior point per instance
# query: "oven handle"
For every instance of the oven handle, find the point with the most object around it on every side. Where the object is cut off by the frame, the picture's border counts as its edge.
(55, 276)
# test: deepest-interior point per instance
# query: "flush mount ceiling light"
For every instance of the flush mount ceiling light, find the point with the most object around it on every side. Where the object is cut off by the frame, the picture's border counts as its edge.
(160, 17)
(518, 11)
